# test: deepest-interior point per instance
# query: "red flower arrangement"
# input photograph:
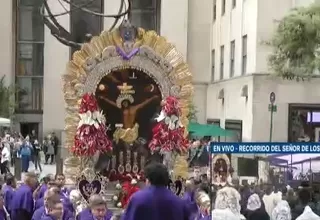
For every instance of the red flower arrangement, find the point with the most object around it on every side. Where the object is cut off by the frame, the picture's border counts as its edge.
(91, 135)
(129, 188)
(168, 134)
(125, 191)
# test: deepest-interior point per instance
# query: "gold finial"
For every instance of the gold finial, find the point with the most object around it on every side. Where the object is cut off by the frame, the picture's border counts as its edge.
(126, 89)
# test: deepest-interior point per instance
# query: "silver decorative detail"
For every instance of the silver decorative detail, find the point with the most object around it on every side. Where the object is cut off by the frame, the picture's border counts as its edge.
(151, 54)
(90, 64)
(141, 63)
(175, 90)
(108, 52)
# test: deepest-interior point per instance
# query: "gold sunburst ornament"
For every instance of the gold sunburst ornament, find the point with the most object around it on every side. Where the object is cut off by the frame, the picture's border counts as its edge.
(123, 48)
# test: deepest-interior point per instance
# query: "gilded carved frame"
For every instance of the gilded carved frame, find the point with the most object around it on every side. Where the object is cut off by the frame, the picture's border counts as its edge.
(156, 57)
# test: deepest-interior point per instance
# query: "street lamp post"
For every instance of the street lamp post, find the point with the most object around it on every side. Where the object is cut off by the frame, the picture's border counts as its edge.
(272, 108)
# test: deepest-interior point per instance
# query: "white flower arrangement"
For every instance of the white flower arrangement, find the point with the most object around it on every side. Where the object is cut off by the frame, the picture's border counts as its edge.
(134, 182)
(115, 198)
(92, 118)
(119, 205)
(118, 186)
(172, 121)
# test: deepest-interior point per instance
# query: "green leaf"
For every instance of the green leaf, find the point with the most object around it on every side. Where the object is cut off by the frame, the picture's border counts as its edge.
(295, 43)
(7, 99)
(192, 116)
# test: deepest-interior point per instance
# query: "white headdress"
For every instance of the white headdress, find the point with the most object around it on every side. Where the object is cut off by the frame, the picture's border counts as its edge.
(282, 211)
(254, 202)
(308, 214)
(228, 198)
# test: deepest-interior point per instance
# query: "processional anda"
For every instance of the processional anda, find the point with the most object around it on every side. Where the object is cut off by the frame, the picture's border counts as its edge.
(127, 95)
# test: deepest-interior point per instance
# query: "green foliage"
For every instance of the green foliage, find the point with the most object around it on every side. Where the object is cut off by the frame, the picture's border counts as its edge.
(7, 99)
(192, 116)
(296, 44)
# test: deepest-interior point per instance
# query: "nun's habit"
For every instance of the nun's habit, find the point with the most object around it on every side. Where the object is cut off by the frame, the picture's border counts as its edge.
(282, 211)
(227, 205)
(255, 209)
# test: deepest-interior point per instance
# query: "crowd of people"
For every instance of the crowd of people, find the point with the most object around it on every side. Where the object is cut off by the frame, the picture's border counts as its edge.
(27, 148)
(49, 198)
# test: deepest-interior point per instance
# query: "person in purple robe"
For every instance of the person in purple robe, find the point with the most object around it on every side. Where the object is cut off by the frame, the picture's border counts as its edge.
(8, 191)
(22, 203)
(52, 187)
(54, 209)
(61, 181)
(97, 209)
(39, 193)
(4, 214)
(48, 198)
(189, 198)
(156, 201)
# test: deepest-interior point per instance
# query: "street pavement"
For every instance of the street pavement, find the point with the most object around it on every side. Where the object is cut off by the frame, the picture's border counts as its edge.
(46, 169)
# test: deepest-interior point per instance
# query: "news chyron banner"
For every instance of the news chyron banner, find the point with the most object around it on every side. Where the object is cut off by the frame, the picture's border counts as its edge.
(264, 148)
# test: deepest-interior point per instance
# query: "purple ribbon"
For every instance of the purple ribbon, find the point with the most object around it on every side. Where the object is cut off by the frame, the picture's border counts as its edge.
(128, 56)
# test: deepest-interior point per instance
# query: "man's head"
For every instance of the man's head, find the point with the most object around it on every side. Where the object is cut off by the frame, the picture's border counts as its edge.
(125, 104)
(48, 178)
(10, 180)
(54, 189)
(51, 184)
(54, 206)
(47, 195)
(31, 179)
(304, 196)
(33, 132)
(98, 206)
(60, 180)
(157, 174)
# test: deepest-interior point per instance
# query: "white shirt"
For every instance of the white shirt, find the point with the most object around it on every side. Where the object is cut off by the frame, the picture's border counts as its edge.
(5, 155)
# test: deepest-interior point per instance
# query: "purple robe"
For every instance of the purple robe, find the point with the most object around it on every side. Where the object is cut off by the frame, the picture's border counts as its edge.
(47, 217)
(42, 211)
(22, 203)
(191, 204)
(42, 190)
(87, 215)
(67, 205)
(3, 215)
(8, 193)
(156, 203)
(39, 203)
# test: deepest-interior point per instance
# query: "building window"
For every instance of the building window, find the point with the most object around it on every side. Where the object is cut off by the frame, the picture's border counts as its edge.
(244, 54)
(232, 57)
(83, 23)
(234, 3)
(30, 93)
(223, 7)
(146, 14)
(221, 61)
(214, 10)
(29, 57)
(213, 60)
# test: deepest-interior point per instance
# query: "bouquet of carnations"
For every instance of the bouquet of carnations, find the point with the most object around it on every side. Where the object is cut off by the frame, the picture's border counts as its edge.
(168, 134)
(91, 135)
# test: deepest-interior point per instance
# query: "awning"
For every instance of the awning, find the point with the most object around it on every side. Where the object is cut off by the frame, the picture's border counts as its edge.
(5, 122)
(211, 130)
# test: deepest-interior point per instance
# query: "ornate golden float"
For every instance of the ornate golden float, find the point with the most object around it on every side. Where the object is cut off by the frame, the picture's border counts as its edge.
(110, 67)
